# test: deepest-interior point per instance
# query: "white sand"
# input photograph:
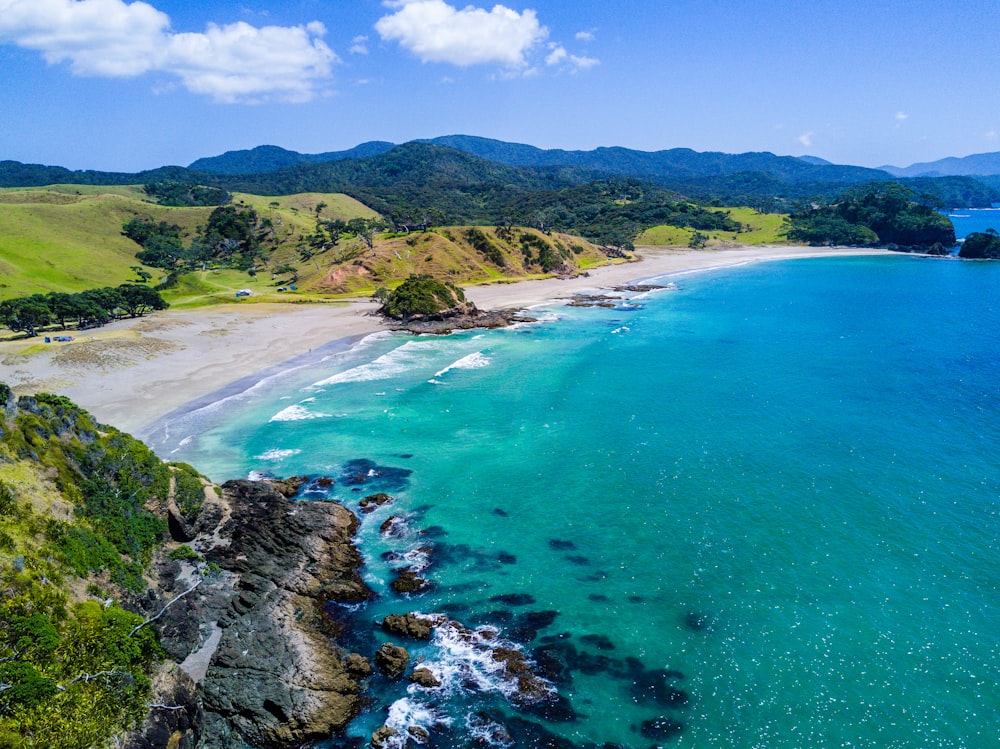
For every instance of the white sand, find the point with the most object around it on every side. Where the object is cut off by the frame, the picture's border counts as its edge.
(133, 372)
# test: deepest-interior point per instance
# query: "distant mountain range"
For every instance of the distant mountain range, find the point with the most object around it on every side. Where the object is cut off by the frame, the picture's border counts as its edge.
(675, 163)
(976, 165)
(470, 173)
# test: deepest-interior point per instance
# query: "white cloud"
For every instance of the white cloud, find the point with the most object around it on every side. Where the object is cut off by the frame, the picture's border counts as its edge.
(112, 38)
(806, 139)
(585, 36)
(559, 56)
(359, 45)
(900, 118)
(435, 31)
(990, 135)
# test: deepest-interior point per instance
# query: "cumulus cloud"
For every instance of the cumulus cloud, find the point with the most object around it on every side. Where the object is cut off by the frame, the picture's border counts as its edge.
(230, 63)
(585, 36)
(435, 31)
(900, 118)
(558, 56)
(806, 139)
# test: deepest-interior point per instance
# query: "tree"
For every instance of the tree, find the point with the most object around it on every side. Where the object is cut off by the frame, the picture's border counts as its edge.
(26, 314)
(366, 229)
(137, 299)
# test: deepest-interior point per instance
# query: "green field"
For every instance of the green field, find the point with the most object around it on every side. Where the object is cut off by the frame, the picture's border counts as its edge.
(762, 229)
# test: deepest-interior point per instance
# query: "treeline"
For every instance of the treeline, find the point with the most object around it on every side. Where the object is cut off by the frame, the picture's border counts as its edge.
(885, 214)
(86, 309)
(177, 194)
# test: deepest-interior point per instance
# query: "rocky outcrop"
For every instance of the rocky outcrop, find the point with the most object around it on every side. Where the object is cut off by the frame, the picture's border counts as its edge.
(413, 625)
(253, 635)
(445, 324)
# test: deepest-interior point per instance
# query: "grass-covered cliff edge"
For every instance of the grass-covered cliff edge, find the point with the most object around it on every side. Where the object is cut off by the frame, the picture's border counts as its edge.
(142, 605)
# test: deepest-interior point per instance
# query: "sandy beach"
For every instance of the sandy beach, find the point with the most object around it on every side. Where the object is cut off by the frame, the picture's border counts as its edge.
(132, 372)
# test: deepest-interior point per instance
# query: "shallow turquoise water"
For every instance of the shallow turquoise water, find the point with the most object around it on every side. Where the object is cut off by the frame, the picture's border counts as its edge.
(798, 456)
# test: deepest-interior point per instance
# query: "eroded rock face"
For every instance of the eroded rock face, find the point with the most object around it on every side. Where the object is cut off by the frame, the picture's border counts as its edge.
(253, 635)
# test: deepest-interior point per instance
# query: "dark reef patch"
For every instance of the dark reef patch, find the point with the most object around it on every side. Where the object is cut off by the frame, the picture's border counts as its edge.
(368, 472)
(561, 545)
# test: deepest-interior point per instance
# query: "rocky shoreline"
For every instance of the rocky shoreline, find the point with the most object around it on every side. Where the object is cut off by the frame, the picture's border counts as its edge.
(252, 655)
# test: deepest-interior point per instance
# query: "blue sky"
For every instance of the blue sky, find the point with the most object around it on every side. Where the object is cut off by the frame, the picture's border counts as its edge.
(117, 85)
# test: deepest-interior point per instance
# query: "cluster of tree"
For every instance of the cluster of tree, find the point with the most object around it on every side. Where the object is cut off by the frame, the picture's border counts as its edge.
(884, 214)
(86, 309)
(981, 245)
(74, 673)
(177, 194)
(420, 295)
(233, 235)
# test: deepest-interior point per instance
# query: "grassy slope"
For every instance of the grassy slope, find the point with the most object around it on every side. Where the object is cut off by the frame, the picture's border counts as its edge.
(68, 238)
(764, 229)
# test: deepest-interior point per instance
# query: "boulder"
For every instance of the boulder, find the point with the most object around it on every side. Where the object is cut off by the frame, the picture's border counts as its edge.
(415, 626)
(391, 660)
(425, 678)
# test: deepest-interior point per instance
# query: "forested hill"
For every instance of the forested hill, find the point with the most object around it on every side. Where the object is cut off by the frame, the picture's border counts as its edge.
(463, 185)
(263, 159)
(675, 163)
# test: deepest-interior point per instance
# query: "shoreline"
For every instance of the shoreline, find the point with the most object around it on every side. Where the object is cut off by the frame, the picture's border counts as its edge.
(136, 374)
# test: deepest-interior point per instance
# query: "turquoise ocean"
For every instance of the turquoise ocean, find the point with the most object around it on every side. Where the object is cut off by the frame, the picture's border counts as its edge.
(758, 509)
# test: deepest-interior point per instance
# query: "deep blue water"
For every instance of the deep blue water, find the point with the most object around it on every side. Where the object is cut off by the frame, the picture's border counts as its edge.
(968, 221)
(762, 506)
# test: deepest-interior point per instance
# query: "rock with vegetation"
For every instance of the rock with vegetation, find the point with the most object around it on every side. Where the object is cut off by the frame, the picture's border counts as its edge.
(981, 246)
(140, 602)
(423, 296)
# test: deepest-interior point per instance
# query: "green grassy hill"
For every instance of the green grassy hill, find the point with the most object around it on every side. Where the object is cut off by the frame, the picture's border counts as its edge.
(68, 237)
(759, 229)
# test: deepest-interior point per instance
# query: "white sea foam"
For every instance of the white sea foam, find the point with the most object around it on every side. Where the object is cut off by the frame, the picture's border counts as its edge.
(400, 360)
(276, 454)
(407, 713)
(298, 413)
(258, 475)
(476, 360)
(465, 660)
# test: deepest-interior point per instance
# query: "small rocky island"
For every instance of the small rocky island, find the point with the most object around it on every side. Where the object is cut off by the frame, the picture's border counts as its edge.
(423, 304)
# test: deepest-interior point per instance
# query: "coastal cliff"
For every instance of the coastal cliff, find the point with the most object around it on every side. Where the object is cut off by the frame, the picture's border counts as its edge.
(258, 662)
(136, 593)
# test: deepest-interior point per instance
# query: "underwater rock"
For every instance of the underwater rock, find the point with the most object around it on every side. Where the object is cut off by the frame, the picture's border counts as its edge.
(561, 545)
(661, 729)
(513, 599)
(601, 642)
(655, 686)
(699, 622)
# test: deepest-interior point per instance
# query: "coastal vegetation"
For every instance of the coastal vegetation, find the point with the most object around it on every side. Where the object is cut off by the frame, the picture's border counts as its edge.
(76, 536)
(88, 309)
(422, 295)
(884, 214)
(981, 246)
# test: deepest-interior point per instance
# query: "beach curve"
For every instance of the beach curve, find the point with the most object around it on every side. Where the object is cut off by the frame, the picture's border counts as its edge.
(134, 372)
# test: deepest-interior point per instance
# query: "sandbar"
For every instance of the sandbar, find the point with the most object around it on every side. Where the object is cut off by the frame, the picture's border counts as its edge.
(133, 372)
